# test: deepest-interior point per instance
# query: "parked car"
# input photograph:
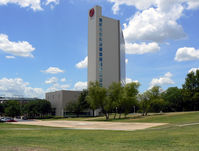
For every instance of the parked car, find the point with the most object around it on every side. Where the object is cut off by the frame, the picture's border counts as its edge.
(11, 120)
(7, 119)
(1, 119)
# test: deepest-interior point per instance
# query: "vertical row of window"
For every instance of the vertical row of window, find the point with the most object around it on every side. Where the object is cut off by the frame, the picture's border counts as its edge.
(100, 52)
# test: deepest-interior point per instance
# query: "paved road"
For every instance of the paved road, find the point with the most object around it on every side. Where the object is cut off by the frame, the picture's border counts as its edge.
(93, 125)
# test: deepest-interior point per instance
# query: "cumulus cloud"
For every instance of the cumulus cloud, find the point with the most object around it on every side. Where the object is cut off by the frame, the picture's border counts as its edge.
(163, 5)
(193, 70)
(83, 63)
(129, 80)
(166, 79)
(126, 61)
(139, 4)
(21, 48)
(52, 3)
(10, 57)
(17, 86)
(80, 85)
(141, 48)
(154, 25)
(56, 87)
(193, 4)
(53, 70)
(56, 2)
(186, 54)
(51, 80)
(63, 80)
(155, 20)
(33, 4)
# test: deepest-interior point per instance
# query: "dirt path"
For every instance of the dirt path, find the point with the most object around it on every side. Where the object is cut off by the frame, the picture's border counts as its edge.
(93, 125)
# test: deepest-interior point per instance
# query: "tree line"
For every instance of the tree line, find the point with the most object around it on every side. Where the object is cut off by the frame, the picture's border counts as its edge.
(118, 99)
(30, 109)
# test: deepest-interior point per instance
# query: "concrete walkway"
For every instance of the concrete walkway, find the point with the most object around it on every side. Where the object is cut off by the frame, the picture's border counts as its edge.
(93, 125)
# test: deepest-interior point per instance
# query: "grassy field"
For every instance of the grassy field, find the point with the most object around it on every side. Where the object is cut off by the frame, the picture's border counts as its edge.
(172, 137)
(177, 117)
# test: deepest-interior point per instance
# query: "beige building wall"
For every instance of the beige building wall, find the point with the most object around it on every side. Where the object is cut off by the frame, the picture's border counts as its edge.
(59, 99)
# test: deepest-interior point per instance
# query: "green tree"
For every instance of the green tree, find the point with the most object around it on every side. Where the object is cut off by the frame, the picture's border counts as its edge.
(31, 109)
(44, 107)
(144, 102)
(174, 99)
(97, 98)
(115, 96)
(82, 100)
(190, 90)
(130, 97)
(1, 109)
(74, 107)
(151, 97)
(37, 108)
(80, 105)
(157, 105)
(12, 108)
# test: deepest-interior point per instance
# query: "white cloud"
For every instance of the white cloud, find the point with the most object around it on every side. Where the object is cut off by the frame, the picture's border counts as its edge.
(163, 5)
(166, 79)
(51, 80)
(53, 70)
(141, 48)
(17, 86)
(80, 85)
(56, 2)
(52, 3)
(154, 25)
(139, 4)
(193, 70)
(63, 80)
(129, 80)
(33, 4)
(83, 63)
(21, 48)
(10, 57)
(155, 20)
(186, 54)
(193, 4)
(56, 87)
(126, 61)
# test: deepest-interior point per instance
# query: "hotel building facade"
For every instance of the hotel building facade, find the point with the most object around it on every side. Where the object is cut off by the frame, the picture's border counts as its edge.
(106, 59)
(106, 49)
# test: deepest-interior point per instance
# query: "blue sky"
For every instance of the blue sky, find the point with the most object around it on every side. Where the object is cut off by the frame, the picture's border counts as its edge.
(43, 43)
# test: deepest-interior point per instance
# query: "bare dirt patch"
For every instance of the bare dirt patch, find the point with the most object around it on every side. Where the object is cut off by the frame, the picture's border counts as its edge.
(93, 125)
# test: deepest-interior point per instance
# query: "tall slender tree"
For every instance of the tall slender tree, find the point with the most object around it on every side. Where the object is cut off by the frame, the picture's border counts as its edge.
(116, 96)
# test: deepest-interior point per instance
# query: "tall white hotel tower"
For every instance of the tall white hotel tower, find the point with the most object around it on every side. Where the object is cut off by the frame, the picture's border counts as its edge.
(106, 49)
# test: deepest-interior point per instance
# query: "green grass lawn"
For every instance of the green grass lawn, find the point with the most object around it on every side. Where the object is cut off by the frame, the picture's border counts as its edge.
(171, 138)
(173, 118)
